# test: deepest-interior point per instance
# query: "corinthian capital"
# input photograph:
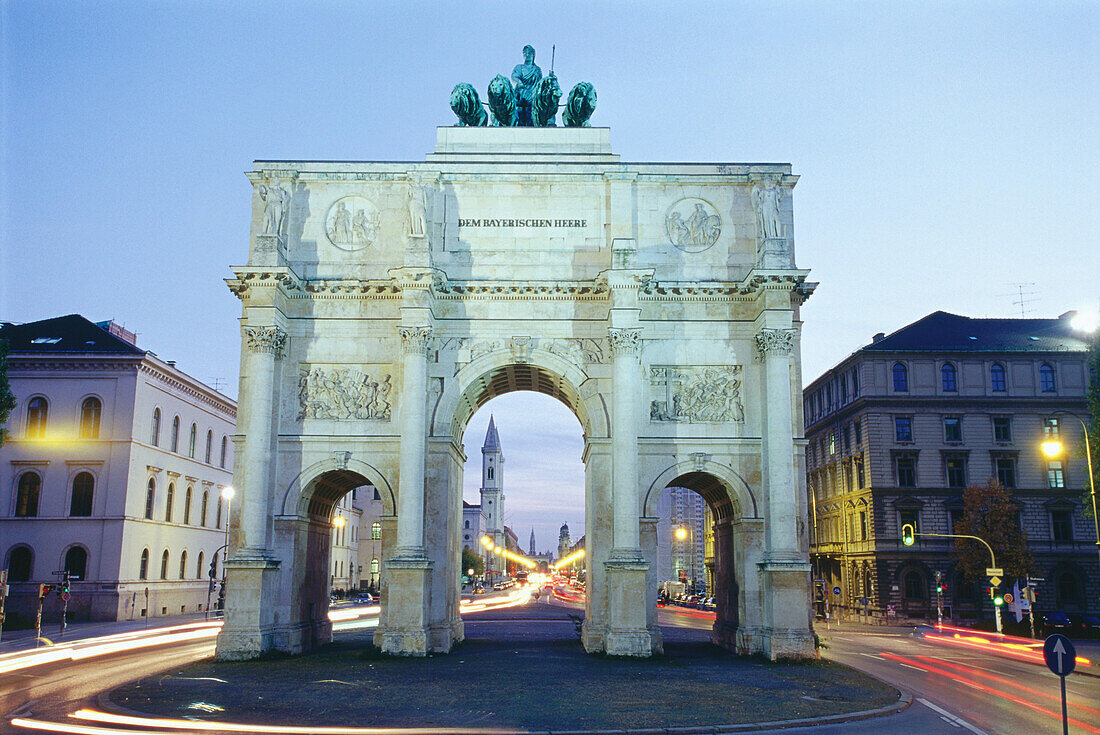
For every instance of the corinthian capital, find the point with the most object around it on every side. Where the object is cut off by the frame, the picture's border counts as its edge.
(624, 341)
(266, 339)
(415, 340)
(777, 341)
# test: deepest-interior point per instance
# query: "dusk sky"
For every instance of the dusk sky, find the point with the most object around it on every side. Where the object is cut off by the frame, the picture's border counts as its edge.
(947, 152)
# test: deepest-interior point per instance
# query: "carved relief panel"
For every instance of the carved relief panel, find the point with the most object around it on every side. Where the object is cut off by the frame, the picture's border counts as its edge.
(695, 394)
(344, 392)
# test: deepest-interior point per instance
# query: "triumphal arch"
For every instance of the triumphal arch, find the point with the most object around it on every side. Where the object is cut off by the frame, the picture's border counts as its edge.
(385, 301)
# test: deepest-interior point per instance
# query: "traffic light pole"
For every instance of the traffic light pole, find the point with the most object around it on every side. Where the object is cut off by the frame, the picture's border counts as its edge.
(907, 539)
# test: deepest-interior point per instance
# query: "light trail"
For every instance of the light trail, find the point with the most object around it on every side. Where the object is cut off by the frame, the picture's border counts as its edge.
(565, 560)
(1018, 651)
(1009, 642)
(490, 546)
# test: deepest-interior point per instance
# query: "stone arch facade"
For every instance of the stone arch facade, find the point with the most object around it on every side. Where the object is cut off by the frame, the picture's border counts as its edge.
(647, 297)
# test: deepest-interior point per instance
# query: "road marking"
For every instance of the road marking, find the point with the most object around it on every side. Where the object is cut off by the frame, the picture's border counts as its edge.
(949, 722)
(871, 655)
(944, 714)
(913, 667)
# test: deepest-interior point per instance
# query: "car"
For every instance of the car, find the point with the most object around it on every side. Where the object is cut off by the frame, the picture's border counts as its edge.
(364, 598)
(479, 590)
(1056, 621)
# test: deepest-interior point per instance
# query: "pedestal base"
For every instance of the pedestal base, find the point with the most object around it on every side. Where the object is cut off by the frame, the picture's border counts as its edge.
(628, 633)
(786, 633)
(403, 631)
(249, 629)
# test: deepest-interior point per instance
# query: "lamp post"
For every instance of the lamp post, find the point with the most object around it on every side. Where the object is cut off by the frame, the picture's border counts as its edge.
(683, 532)
(1052, 447)
(227, 493)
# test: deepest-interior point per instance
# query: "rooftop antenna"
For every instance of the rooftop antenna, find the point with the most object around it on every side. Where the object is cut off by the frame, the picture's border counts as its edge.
(1024, 297)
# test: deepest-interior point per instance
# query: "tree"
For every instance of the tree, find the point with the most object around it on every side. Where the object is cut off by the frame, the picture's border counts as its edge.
(990, 513)
(471, 560)
(7, 398)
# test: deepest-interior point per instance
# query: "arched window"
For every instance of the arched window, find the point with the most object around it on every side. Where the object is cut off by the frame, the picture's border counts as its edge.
(467, 524)
(183, 565)
(218, 520)
(1046, 378)
(37, 411)
(169, 501)
(176, 434)
(143, 570)
(225, 447)
(489, 472)
(164, 565)
(187, 507)
(76, 563)
(20, 562)
(150, 498)
(913, 585)
(191, 441)
(198, 567)
(202, 509)
(89, 418)
(209, 445)
(26, 499)
(154, 433)
(949, 377)
(376, 531)
(901, 378)
(83, 486)
(997, 377)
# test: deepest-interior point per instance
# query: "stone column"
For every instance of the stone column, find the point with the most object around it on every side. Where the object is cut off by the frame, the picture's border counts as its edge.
(265, 345)
(626, 392)
(414, 432)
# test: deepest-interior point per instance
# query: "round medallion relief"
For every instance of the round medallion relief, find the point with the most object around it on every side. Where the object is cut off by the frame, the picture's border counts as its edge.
(693, 224)
(352, 223)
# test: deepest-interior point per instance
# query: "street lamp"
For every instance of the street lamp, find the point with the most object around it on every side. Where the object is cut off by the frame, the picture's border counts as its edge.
(1052, 447)
(683, 532)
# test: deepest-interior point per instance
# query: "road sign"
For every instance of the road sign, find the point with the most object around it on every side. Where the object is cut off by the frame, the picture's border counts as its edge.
(1009, 598)
(66, 596)
(995, 581)
(836, 590)
(994, 571)
(1060, 655)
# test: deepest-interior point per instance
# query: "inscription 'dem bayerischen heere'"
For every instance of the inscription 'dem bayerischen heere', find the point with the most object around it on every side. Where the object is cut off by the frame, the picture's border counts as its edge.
(486, 222)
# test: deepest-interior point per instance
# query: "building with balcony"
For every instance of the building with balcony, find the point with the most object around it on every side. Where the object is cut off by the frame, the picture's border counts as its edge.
(896, 431)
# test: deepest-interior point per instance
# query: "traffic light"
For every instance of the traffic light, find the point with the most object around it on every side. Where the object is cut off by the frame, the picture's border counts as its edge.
(939, 588)
(65, 583)
(214, 568)
(998, 600)
(907, 534)
(43, 590)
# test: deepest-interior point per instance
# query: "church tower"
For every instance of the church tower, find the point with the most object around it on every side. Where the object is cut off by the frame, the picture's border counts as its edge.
(492, 484)
(564, 543)
(532, 551)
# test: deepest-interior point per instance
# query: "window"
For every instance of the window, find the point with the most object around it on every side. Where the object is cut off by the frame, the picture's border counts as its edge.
(948, 378)
(952, 429)
(143, 569)
(169, 502)
(183, 565)
(376, 531)
(89, 418)
(198, 568)
(903, 428)
(150, 498)
(218, 518)
(1051, 429)
(1055, 477)
(81, 503)
(164, 565)
(374, 565)
(1002, 428)
(832, 443)
(19, 564)
(954, 518)
(913, 584)
(863, 525)
(909, 516)
(466, 524)
(1061, 525)
(860, 479)
(997, 377)
(901, 378)
(26, 499)
(191, 441)
(76, 563)
(209, 446)
(1069, 590)
(202, 509)
(1006, 471)
(844, 438)
(858, 429)
(176, 434)
(154, 433)
(225, 446)
(187, 507)
(956, 471)
(489, 472)
(907, 472)
(37, 410)
(1046, 378)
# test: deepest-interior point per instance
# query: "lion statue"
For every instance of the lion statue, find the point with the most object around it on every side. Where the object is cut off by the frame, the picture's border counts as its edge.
(502, 102)
(580, 105)
(544, 101)
(467, 106)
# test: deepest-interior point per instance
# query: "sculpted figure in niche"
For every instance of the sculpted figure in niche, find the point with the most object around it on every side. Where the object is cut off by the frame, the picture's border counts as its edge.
(765, 200)
(418, 210)
(525, 76)
(467, 106)
(502, 102)
(276, 202)
(341, 224)
(544, 102)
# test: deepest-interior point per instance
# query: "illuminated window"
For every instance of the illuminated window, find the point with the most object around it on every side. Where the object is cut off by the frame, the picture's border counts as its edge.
(376, 531)
(26, 499)
(37, 411)
(374, 566)
(90, 411)
(1055, 477)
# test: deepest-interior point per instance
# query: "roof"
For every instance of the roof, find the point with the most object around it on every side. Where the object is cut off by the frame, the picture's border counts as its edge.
(72, 333)
(492, 441)
(944, 332)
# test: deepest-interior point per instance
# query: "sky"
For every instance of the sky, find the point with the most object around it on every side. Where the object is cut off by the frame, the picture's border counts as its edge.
(946, 150)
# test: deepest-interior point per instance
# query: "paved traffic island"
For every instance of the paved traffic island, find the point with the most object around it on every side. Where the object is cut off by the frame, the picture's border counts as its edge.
(524, 674)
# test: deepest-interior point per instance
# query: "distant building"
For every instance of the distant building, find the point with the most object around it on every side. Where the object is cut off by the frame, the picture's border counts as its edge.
(895, 433)
(564, 543)
(683, 512)
(114, 470)
(347, 519)
(486, 519)
(369, 502)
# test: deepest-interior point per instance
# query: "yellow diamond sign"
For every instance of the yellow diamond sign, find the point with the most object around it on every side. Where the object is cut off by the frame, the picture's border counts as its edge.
(995, 581)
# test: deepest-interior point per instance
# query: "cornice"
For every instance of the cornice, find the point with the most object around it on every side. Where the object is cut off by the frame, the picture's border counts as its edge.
(80, 362)
(151, 369)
